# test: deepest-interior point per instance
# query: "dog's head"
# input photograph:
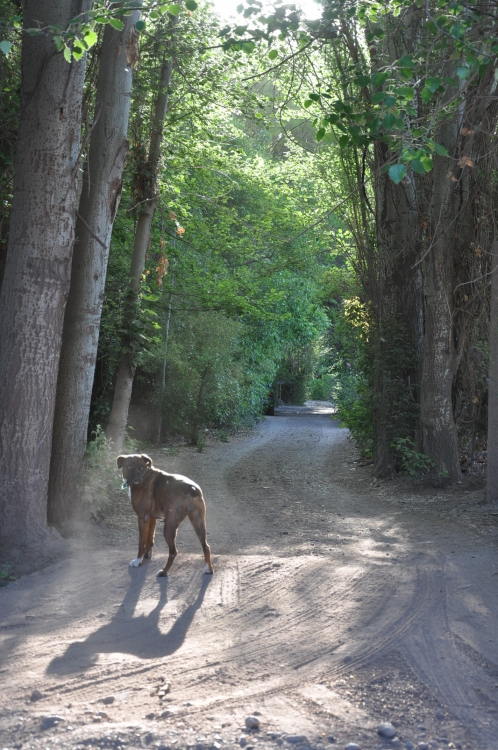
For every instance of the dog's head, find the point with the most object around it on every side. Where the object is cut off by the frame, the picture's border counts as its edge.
(134, 467)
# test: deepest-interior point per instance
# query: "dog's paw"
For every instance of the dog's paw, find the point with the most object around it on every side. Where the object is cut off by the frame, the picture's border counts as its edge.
(161, 574)
(136, 563)
(207, 569)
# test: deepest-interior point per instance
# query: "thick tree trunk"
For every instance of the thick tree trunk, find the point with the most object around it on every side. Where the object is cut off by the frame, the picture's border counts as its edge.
(441, 352)
(98, 205)
(492, 452)
(398, 308)
(126, 368)
(37, 272)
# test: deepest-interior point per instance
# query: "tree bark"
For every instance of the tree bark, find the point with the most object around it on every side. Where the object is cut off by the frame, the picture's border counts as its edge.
(38, 267)
(492, 452)
(398, 308)
(97, 209)
(441, 352)
(148, 203)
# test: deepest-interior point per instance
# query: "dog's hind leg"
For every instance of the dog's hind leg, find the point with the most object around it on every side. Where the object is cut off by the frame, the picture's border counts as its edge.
(150, 538)
(198, 520)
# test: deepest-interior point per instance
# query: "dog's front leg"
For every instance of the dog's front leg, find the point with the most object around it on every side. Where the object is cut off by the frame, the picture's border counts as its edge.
(143, 529)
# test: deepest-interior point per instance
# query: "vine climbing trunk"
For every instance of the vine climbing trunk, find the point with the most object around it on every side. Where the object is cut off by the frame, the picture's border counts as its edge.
(38, 268)
(97, 209)
(147, 202)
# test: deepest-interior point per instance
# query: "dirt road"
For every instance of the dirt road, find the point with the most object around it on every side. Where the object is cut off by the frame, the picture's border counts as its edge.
(333, 607)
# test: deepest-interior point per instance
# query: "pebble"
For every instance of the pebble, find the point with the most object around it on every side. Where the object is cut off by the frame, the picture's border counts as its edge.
(107, 701)
(50, 721)
(150, 716)
(423, 746)
(296, 738)
(331, 738)
(386, 729)
(35, 695)
(352, 746)
(242, 740)
(440, 714)
(410, 745)
(164, 714)
(252, 722)
(421, 728)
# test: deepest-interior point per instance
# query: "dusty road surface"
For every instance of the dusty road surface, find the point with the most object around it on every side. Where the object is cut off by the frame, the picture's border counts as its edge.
(334, 607)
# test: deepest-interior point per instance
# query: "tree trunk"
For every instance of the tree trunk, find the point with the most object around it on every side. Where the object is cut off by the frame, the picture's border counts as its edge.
(38, 267)
(98, 205)
(148, 203)
(492, 452)
(398, 309)
(441, 352)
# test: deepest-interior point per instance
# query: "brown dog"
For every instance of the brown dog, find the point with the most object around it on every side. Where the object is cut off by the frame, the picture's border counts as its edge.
(155, 494)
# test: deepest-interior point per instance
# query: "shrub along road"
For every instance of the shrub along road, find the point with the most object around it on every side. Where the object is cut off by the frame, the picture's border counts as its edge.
(335, 605)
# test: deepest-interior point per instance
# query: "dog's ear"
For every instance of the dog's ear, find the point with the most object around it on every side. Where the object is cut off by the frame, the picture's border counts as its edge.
(147, 459)
(120, 461)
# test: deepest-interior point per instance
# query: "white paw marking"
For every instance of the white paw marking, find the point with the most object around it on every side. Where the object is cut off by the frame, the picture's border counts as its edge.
(206, 569)
(136, 562)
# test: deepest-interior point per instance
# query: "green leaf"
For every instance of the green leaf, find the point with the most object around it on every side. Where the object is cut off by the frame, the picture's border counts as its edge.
(174, 9)
(407, 92)
(417, 166)
(67, 54)
(190, 4)
(463, 71)
(273, 54)
(397, 172)
(378, 97)
(426, 95)
(362, 80)
(78, 52)
(344, 141)
(116, 23)
(433, 84)
(248, 47)
(406, 62)
(389, 121)
(140, 25)
(5, 46)
(307, 103)
(427, 163)
(320, 134)
(379, 79)
(441, 150)
(90, 38)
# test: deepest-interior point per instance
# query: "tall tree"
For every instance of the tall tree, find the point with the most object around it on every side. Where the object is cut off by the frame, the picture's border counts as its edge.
(147, 199)
(97, 208)
(38, 267)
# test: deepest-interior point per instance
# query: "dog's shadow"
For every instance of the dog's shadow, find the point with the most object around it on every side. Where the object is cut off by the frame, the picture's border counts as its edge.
(138, 636)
